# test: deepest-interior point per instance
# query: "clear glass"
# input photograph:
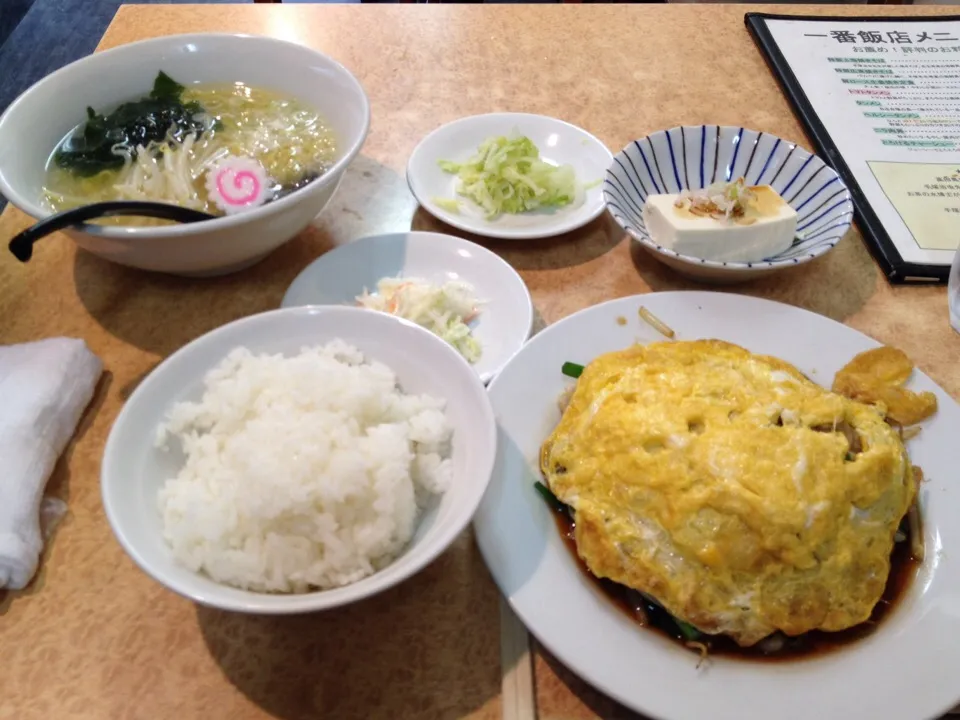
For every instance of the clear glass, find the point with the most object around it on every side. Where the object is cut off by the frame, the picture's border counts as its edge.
(953, 292)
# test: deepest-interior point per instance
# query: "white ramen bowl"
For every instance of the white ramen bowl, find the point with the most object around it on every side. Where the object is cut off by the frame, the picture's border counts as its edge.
(39, 119)
(134, 469)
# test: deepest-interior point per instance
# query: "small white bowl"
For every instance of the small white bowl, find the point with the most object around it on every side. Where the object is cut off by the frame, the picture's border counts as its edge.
(694, 157)
(506, 318)
(38, 120)
(559, 143)
(133, 469)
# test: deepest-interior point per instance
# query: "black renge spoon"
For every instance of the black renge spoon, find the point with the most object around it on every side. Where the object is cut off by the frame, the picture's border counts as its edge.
(22, 245)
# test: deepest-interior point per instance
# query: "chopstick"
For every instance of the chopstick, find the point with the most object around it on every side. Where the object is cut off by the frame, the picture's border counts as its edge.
(516, 667)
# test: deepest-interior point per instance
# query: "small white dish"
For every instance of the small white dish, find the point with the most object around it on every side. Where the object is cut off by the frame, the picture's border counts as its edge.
(134, 469)
(559, 143)
(506, 315)
(906, 669)
(693, 157)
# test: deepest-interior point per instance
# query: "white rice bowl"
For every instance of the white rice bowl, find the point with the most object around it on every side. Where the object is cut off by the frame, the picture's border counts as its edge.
(301, 473)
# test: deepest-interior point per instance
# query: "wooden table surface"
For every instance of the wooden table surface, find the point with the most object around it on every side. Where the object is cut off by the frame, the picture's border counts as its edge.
(93, 637)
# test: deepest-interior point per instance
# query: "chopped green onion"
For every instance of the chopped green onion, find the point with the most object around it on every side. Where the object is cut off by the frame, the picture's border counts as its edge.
(572, 369)
(552, 500)
(507, 175)
(447, 204)
(688, 631)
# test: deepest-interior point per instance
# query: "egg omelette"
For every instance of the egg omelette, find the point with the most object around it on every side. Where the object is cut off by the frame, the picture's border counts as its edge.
(727, 486)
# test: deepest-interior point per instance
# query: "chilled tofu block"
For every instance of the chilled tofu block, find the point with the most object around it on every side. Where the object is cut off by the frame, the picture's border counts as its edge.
(753, 223)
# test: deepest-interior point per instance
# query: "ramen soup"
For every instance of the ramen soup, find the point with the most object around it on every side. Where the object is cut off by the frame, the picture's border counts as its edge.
(216, 148)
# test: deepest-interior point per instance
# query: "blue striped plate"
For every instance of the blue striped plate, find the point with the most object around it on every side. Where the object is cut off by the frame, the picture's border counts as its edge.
(693, 157)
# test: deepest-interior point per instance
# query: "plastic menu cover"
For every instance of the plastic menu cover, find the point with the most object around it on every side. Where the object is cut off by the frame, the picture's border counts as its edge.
(880, 99)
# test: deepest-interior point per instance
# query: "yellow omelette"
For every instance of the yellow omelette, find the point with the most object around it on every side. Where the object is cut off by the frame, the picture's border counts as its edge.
(730, 488)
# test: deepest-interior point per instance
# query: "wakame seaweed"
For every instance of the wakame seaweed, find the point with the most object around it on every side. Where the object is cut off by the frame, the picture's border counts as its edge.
(90, 150)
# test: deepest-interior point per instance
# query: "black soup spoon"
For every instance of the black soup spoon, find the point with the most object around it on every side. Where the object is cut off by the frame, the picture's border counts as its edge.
(22, 245)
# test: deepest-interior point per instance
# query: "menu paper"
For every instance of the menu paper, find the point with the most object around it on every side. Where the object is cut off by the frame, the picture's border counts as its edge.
(880, 98)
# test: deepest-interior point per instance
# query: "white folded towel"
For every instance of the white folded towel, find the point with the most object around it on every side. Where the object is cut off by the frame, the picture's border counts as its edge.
(44, 388)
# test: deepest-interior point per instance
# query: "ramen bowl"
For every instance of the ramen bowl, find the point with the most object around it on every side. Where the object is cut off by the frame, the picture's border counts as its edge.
(33, 126)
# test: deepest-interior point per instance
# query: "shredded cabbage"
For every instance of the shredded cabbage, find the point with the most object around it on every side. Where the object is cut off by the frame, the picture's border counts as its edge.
(444, 310)
(508, 176)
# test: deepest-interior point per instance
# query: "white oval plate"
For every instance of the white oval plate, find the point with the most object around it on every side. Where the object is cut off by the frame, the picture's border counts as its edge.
(506, 317)
(559, 143)
(906, 670)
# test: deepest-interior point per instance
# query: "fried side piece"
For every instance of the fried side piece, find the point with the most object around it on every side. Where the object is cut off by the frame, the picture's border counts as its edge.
(876, 377)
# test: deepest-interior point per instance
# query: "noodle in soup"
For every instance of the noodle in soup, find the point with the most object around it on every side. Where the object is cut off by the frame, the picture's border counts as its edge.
(161, 147)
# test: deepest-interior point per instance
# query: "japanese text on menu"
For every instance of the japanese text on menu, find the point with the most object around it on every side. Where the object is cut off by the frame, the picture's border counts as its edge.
(888, 94)
(913, 104)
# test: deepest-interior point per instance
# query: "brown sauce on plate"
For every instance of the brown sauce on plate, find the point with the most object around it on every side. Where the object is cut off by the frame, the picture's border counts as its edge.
(903, 568)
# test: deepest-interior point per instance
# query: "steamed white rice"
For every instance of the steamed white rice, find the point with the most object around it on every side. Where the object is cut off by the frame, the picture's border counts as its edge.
(303, 472)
